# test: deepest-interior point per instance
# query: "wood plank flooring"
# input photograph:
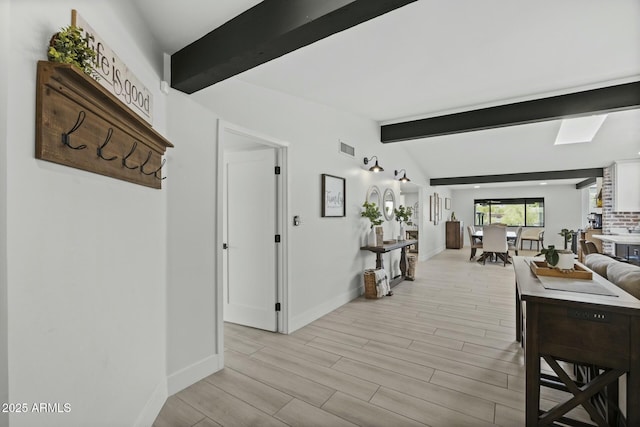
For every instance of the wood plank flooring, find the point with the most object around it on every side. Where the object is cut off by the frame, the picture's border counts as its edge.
(440, 352)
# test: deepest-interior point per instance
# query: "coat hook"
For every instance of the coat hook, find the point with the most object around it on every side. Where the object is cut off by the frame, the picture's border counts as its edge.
(124, 159)
(155, 173)
(145, 162)
(66, 135)
(106, 141)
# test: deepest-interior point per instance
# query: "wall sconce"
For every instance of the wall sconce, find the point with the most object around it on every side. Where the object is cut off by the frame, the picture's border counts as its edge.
(404, 178)
(375, 168)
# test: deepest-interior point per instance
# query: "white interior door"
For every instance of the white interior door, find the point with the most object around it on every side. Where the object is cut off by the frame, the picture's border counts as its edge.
(250, 279)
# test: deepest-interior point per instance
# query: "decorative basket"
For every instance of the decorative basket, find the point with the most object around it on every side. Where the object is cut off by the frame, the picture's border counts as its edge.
(370, 290)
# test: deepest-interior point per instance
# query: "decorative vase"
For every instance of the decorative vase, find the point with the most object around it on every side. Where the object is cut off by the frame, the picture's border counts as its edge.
(402, 233)
(371, 238)
(565, 261)
(379, 236)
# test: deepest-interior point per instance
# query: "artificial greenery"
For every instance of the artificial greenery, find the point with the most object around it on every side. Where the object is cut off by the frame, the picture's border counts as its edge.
(567, 235)
(403, 214)
(551, 255)
(68, 46)
(372, 212)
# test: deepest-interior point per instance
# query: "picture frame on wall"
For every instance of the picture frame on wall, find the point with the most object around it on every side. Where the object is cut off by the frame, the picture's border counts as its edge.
(447, 203)
(430, 207)
(334, 191)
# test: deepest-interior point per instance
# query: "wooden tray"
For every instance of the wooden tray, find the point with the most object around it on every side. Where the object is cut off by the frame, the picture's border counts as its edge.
(541, 268)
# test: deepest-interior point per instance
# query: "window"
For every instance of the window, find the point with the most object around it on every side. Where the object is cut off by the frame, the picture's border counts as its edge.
(527, 212)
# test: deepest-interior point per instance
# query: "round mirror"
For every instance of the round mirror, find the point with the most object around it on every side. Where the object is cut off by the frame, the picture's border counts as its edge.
(389, 204)
(374, 196)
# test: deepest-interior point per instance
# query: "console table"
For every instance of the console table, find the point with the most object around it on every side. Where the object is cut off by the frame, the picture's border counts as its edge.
(602, 332)
(379, 250)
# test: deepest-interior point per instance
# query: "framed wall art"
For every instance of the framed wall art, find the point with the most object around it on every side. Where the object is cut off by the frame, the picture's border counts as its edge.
(333, 196)
(430, 207)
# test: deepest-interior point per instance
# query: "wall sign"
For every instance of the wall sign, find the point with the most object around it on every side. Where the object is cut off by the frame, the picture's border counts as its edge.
(114, 74)
(333, 196)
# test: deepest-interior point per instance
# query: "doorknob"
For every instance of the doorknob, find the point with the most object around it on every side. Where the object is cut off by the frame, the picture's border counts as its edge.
(225, 246)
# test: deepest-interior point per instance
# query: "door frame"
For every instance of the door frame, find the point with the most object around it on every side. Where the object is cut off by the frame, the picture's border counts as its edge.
(282, 189)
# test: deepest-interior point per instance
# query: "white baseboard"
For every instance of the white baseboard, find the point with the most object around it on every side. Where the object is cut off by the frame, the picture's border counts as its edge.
(192, 374)
(322, 309)
(423, 256)
(154, 405)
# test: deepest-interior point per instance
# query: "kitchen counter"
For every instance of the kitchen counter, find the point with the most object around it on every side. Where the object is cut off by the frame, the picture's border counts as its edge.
(626, 239)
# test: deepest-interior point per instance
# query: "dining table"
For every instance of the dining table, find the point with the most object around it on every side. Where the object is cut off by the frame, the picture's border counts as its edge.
(511, 235)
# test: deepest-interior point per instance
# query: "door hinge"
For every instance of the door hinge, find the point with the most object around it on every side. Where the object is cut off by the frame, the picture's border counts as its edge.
(277, 238)
(277, 306)
(277, 170)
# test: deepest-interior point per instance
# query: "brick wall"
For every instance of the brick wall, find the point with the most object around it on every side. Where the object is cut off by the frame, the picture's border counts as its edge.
(611, 219)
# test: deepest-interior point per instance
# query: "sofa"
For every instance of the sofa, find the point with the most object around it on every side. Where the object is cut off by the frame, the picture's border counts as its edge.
(626, 276)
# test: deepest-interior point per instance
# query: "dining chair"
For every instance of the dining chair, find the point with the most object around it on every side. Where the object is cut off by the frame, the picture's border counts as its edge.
(533, 235)
(514, 244)
(474, 242)
(494, 241)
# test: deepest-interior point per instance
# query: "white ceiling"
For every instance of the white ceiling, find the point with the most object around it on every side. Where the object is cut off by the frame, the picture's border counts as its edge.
(434, 57)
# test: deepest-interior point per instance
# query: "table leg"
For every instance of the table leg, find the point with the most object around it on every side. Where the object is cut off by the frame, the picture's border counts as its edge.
(379, 262)
(633, 376)
(403, 261)
(518, 316)
(532, 366)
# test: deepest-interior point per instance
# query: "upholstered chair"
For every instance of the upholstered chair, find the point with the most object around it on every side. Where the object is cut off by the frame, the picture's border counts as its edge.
(494, 240)
(514, 244)
(474, 242)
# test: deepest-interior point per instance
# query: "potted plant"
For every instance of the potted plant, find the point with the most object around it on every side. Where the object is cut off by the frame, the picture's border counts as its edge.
(68, 46)
(567, 235)
(560, 259)
(403, 215)
(374, 215)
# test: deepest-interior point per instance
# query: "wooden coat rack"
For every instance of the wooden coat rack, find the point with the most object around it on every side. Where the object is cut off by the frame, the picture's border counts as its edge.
(80, 124)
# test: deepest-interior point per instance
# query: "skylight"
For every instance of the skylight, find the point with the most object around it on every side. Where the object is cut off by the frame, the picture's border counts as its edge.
(580, 129)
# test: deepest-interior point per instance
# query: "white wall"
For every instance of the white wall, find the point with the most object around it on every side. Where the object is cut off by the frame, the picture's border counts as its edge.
(191, 189)
(112, 285)
(325, 260)
(4, 105)
(562, 207)
(86, 253)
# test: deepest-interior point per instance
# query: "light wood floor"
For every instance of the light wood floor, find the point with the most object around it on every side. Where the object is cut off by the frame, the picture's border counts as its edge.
(439, 352)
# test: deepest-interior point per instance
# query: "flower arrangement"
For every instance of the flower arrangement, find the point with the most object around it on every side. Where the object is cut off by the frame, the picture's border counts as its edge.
(68, 46)
(372, 212)
(403, 214)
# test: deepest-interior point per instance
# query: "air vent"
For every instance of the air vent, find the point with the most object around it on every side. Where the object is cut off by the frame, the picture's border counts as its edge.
(347, 149)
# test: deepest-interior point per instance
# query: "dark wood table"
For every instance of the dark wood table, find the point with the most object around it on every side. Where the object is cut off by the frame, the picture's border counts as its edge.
(601, 332)
(379, 250)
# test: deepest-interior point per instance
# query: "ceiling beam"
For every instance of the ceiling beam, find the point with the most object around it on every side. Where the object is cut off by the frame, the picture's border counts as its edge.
(514, 177)
(586, 183)
(603, 100)
(267, 31)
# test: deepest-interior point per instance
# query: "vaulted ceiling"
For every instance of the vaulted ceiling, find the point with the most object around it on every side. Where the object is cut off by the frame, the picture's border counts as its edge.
(434, 57)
